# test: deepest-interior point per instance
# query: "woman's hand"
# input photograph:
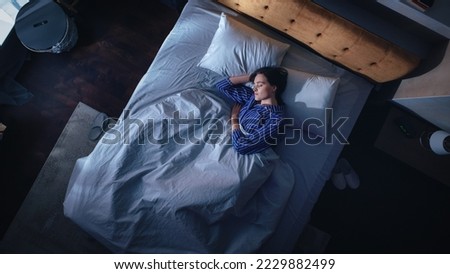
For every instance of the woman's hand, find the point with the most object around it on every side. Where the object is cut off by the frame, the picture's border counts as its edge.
(241, 79)
(235, 116)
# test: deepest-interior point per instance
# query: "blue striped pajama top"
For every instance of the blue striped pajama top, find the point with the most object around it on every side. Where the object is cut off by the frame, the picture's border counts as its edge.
(259, 124)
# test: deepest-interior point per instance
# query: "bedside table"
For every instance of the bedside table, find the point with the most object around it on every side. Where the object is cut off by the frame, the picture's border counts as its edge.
(405, 146)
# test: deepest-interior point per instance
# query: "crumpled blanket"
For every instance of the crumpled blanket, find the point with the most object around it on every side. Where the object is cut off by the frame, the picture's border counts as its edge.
(167, 180)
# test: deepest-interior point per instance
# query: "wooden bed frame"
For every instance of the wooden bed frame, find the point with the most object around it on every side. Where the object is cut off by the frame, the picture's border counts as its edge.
(331, 36)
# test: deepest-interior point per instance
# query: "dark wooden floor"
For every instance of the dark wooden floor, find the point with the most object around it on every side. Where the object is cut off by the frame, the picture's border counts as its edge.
(396, 209)
(117, 43)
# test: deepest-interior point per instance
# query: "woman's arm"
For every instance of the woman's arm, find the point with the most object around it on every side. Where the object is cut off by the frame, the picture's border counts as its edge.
(241, 79)
(258, 137)
(233, 88)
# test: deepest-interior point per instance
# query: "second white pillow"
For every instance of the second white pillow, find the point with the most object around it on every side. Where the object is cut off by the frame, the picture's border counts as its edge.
(306, 97)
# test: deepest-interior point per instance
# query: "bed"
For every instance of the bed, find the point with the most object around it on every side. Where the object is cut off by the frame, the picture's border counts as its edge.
(165, 178)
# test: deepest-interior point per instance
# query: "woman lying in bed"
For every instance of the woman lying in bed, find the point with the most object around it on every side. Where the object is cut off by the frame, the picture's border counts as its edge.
(258, 113)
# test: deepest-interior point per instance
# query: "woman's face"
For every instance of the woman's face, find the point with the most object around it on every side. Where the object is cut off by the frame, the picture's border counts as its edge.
(262, 88)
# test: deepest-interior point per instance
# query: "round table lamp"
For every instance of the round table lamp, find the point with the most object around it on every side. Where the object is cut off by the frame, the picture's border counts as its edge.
(438, 142)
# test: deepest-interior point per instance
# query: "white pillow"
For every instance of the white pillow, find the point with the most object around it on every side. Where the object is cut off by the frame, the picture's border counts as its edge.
(306, 97)
(237, 49)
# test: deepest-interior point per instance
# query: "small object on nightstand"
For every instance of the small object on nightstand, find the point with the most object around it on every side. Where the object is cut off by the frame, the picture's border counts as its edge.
(405, 126)
(438, 142)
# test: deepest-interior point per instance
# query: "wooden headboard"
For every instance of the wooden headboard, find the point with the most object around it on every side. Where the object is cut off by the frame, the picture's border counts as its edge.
(331, 36)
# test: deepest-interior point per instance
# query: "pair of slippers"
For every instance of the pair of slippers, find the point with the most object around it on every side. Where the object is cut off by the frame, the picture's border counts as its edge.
(100, 125)
(344, 175)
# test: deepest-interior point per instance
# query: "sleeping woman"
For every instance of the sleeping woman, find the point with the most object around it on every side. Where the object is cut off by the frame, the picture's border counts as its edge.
(258, 113)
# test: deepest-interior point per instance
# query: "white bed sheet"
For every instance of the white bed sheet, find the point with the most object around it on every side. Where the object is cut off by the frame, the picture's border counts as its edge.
(175, 68)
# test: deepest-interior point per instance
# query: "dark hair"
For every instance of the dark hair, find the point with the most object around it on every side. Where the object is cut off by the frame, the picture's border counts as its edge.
(276, 76)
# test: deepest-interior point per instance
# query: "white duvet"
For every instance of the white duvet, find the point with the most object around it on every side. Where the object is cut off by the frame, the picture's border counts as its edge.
(165, 179)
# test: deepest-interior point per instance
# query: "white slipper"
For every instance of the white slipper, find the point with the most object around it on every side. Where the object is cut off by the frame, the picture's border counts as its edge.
(343, 173)
(352, 179)
(338, 180)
